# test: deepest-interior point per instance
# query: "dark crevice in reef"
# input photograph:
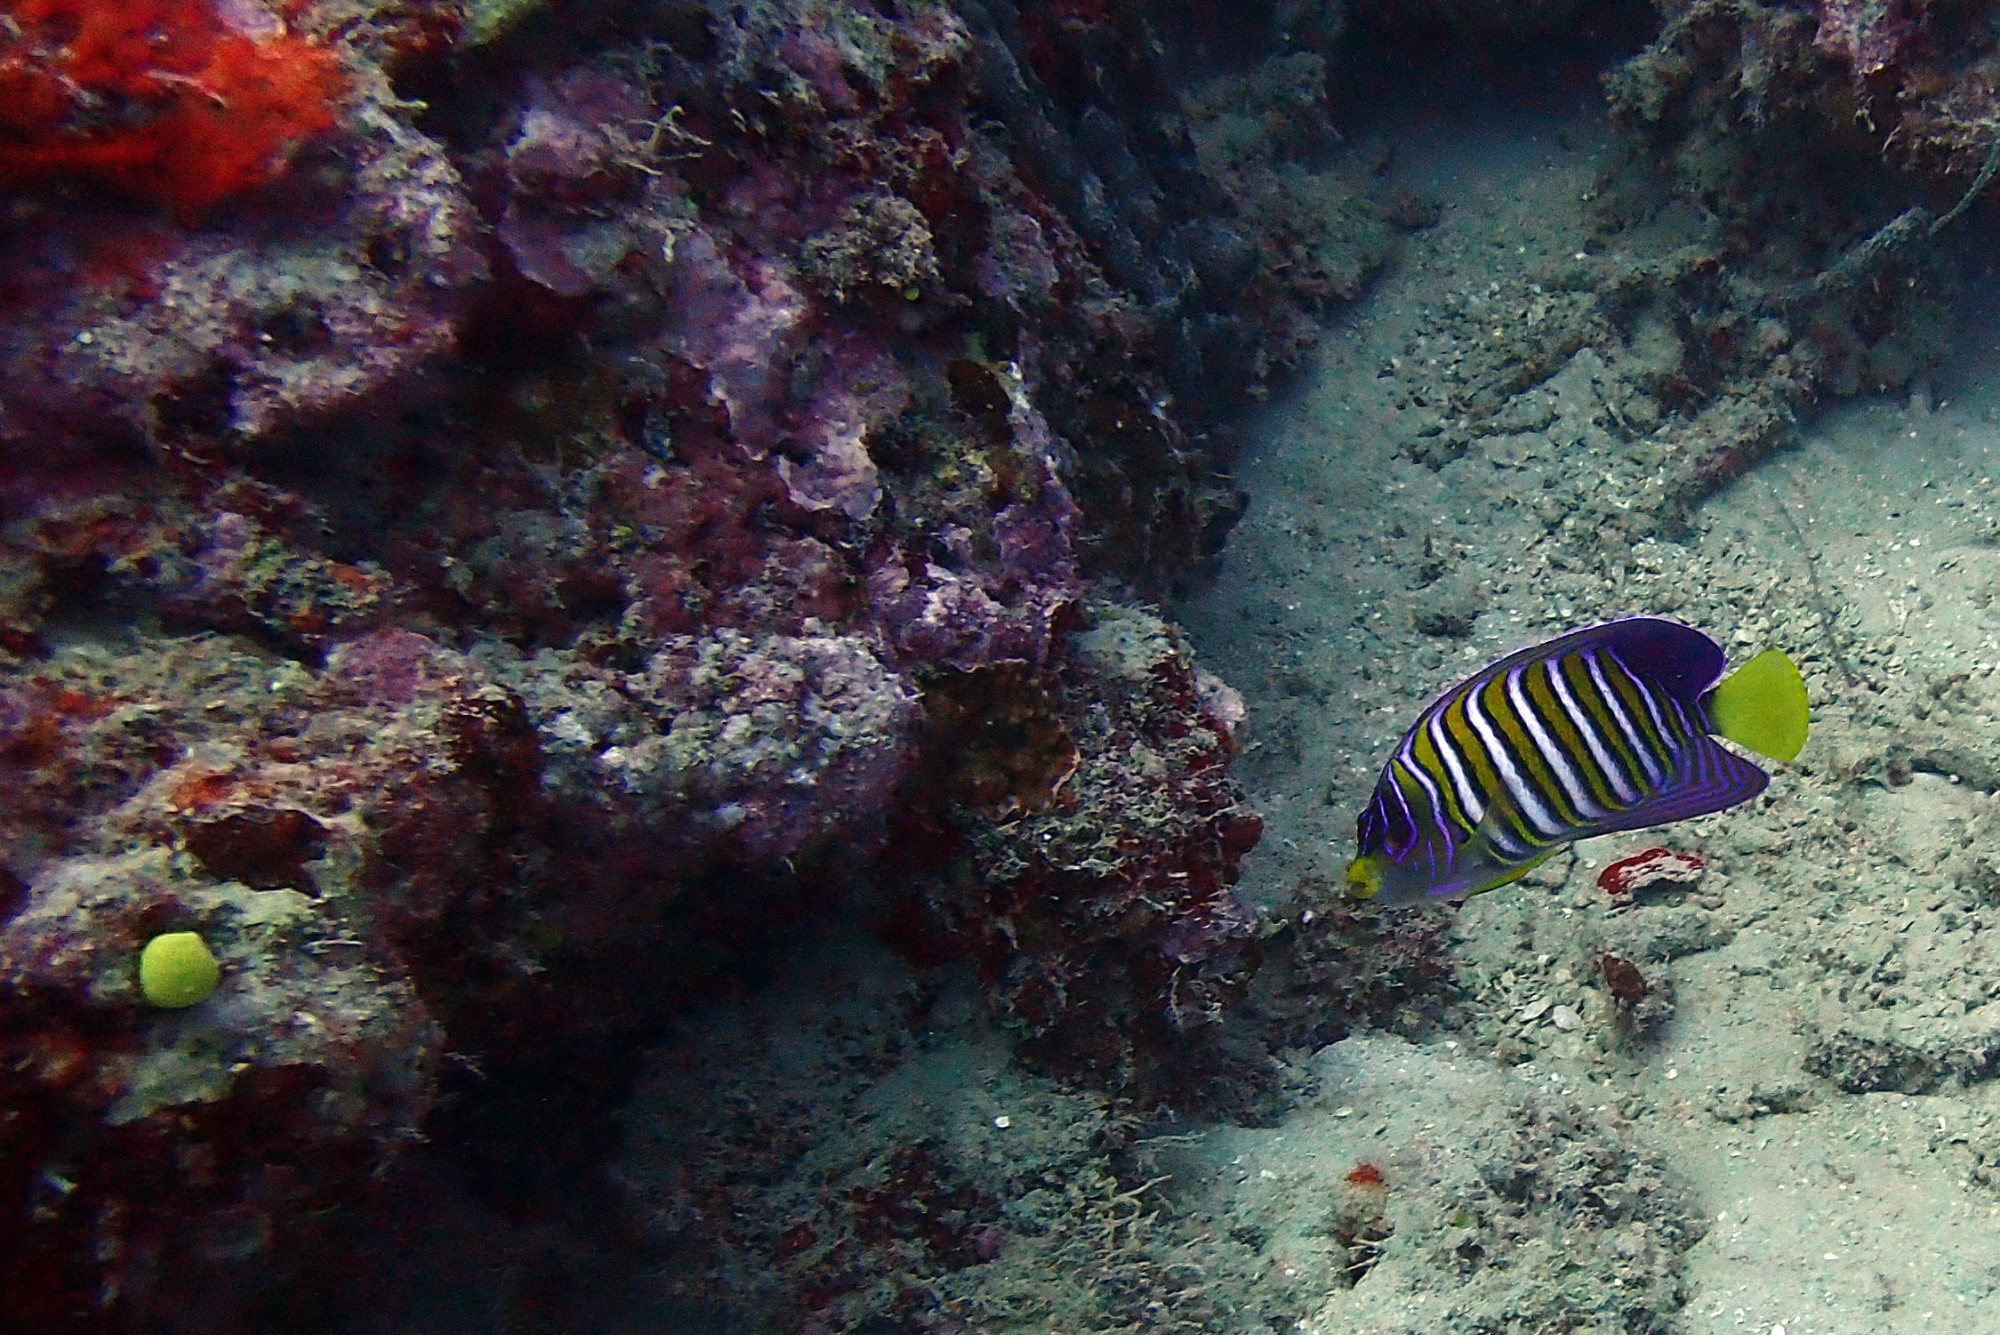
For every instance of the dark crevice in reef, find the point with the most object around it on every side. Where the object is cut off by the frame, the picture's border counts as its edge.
(1394, 59)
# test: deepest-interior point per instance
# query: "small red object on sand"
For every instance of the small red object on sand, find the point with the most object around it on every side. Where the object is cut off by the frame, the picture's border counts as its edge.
(1654, 866)
(1622, 976)
(1366, 1174)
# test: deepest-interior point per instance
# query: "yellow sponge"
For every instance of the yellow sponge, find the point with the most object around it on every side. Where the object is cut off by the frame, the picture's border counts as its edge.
(177, 969)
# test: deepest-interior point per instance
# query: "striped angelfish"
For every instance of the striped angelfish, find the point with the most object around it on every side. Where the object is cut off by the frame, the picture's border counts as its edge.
(1603, 729)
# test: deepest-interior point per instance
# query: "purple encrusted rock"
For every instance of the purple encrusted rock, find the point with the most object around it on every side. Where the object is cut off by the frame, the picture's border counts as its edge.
(761, 746)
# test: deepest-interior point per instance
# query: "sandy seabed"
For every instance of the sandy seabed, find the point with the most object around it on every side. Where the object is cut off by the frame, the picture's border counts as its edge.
(1813, 1109)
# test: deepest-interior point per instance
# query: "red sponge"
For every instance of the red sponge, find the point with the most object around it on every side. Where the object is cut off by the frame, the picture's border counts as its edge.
(163, 99)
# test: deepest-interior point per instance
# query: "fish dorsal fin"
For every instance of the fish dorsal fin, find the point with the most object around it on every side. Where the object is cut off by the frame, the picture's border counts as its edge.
(1680, 658)
(1762, 705)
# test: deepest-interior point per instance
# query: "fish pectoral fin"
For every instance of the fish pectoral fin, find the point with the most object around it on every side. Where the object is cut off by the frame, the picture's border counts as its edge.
(1484, 867)
(1509, 875)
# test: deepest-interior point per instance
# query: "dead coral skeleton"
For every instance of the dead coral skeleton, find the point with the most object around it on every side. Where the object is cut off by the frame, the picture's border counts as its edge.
(666, 140)
(1119, 1254)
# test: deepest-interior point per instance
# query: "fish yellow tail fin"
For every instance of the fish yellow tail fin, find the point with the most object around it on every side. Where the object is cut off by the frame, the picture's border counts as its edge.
(1762, 705)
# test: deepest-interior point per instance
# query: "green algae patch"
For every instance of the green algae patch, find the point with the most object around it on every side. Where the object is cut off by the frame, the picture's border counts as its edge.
(177, 969)
(490, 20)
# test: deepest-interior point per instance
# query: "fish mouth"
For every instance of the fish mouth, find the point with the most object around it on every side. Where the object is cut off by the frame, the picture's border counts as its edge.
(1364, 877)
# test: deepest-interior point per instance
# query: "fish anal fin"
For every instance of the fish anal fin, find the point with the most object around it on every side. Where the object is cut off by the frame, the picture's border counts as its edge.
(1710, 778)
